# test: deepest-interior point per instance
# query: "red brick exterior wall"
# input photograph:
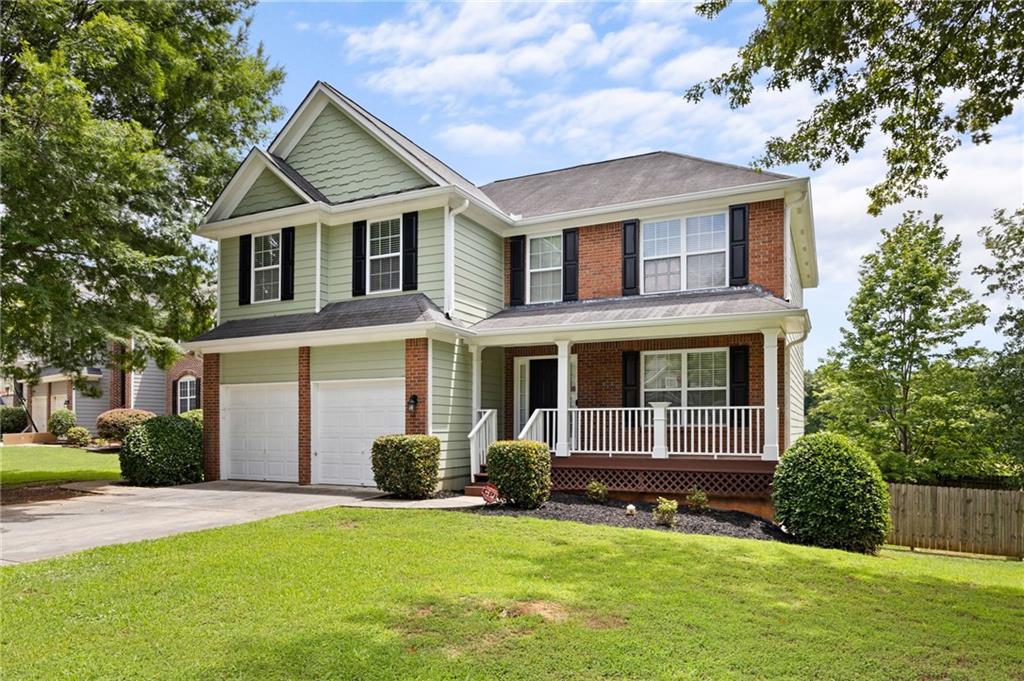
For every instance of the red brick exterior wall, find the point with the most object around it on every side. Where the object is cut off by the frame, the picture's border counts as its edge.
(416, 383)
(766, 249)
(211, 416)
(600, 261)
(305, 448)
(189, 365)
(69, 391)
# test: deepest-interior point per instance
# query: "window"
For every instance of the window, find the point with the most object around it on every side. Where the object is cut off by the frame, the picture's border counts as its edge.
(266, 267)
(706, 379)
(385, 255)
(188, 397)
(545, 264)
(691, 252)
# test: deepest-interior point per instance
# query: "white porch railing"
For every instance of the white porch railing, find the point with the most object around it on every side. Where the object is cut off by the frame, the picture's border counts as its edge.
(483, 435)
(673, 431)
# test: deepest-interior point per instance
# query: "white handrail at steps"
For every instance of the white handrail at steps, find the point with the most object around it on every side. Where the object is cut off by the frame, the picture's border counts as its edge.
(483, 435)
(541, 427)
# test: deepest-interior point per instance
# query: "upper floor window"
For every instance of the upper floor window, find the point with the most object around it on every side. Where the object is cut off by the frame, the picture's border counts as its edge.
(266, 267)
(704, 383)
(545, 263)
(385, 250)
(691, 252)
(188, 396)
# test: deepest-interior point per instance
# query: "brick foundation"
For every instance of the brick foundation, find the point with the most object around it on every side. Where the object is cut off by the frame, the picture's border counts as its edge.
(211, 416)
(416, 383)
(305, 449)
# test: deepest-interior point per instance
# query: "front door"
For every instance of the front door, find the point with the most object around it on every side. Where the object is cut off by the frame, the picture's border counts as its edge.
(543, 384)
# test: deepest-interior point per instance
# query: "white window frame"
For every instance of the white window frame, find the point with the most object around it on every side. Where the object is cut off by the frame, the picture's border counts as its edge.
(252, 259)
(529, 270)
(371, 258)
(682, 250)
(521, 387)
(684, 402)
(188, 378)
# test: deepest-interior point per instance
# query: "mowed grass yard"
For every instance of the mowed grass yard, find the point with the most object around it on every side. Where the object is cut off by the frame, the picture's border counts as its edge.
(22, 464)
(372, 594)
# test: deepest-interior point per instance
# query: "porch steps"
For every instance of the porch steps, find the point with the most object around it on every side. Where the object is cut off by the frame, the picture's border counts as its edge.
(475, 488)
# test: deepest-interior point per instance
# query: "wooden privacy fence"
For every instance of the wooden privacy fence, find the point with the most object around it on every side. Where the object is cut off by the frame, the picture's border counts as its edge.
(958, 519)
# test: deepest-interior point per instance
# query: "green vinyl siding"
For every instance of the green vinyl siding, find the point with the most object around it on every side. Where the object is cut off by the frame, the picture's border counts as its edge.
(361, 361)
(305, 275)
(337, 247)
(492, 383)
(451, 417)
(260, 366)
(479, 271)
(346, 163)
(267, 193)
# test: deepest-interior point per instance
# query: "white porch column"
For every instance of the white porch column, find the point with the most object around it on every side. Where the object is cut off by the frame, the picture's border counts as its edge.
(771, 395)
(562, 423)
(475, 351)
(660, 450)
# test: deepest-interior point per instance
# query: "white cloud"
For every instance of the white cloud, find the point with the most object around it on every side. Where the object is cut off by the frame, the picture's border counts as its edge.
(630, 52)
(445, 77)
(482, 140)
(694, 66)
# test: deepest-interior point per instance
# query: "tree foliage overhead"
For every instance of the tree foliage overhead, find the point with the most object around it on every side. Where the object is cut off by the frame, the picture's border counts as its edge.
(121, 122)
(926, 72)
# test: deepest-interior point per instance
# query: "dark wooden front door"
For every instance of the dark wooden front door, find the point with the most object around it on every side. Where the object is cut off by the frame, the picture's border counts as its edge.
(543, 384)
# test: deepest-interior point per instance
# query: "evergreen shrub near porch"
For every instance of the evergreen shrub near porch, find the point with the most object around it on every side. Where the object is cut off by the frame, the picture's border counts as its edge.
(164, 450)
(407, 465)
(521, 470)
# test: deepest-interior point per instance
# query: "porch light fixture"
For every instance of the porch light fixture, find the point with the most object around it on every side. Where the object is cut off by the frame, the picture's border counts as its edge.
(411, 403)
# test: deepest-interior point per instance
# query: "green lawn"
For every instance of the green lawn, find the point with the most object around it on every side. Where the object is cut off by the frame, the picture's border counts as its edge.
(365, 594)
(20, 464)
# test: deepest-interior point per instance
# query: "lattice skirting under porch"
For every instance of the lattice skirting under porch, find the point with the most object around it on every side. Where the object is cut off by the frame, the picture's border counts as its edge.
(648, 479)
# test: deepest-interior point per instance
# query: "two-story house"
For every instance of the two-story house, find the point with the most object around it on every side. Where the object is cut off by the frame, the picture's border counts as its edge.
(643, 316)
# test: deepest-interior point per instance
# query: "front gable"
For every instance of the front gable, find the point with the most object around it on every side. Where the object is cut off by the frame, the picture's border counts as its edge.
(267, 193)
(346, 163)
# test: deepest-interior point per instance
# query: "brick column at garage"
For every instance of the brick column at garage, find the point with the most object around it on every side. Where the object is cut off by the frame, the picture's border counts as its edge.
(305, 459)
(211, 416)
(69, 395)
(416, 379)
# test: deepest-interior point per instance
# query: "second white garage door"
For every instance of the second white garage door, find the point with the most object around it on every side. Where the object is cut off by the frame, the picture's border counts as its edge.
(347, 417)
(260, 432)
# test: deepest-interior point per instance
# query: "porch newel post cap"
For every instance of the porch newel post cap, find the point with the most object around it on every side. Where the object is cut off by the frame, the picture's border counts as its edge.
(770, 453)
(660, 405)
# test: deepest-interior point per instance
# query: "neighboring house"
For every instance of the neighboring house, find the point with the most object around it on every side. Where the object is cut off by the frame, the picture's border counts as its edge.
(643, 316)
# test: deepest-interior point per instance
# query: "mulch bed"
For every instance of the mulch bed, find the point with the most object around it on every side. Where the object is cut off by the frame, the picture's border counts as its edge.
(579, 509)
(23, 494)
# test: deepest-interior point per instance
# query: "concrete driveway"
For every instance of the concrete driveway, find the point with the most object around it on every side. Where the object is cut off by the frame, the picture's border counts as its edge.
(116, 514)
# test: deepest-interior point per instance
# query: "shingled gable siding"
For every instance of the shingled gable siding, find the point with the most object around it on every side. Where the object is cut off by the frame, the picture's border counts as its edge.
(337, 252)
(268, 192)
(305, 280)
(346, 163)
(451, 383)
(479, 279)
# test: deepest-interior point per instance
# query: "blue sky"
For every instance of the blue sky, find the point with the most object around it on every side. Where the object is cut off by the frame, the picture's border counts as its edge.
(502, 89)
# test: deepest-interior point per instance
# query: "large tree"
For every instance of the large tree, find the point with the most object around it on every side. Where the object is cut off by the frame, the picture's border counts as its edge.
(925, 73)
(121, 121)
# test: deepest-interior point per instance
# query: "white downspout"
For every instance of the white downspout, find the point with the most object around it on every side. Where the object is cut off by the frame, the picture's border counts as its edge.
(318, 265)
(449, 256)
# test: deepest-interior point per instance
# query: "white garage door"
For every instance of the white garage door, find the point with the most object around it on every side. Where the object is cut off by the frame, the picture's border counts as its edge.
(260, 432)
(57, 401)
(39, 412)
(348, 416)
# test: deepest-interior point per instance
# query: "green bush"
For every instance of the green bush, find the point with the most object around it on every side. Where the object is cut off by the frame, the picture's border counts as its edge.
(79, 436)
(116, 423)
(61, 421)
(13, 419)
(164, 450)
(597, 491)
(830, 493)
(406, 465)
(194, 415)
(697, 500)
(665, 512)
(521, 470)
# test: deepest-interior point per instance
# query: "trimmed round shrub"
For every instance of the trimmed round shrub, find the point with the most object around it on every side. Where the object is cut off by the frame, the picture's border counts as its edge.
(521, 470)
(828, 492)
(406, 465)
(164, 450)
(13, 419)
(115, 424)
(597, 491)
(194, 415)
(79, 436)
(61, 421)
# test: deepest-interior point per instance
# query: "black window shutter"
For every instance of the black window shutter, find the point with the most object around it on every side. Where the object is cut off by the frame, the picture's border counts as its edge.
(631, 378)
(517, 270)
(199, 392)
(631, 258)
(288, 263)
(738, 245)
(739, 376)
(410, 229)
(570, 264)
(359, 258)
(244, 269)
(174, 397)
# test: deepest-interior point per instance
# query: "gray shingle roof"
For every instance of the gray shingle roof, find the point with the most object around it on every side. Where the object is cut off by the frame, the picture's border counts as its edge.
(348, 314)
(300, 181)
(655, 175)
(683, 306)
